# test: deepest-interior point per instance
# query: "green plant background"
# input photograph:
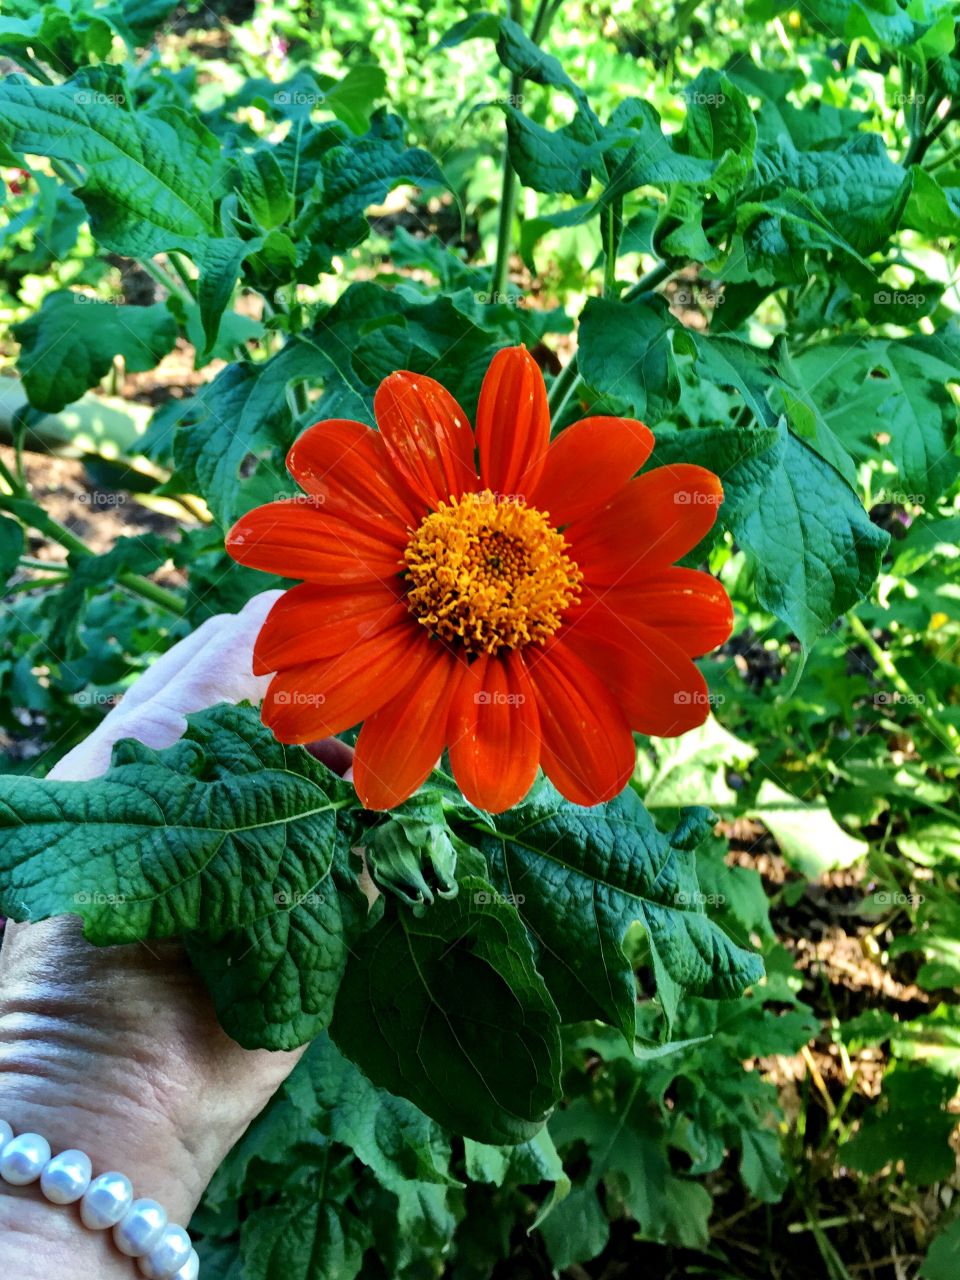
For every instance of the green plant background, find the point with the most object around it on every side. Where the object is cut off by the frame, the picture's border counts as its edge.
(738, 223)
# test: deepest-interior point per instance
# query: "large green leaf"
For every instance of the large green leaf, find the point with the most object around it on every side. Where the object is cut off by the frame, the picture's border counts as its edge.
(447, 1009)
(581, 877)
(148, 179)
(70, 343)
(220, 831)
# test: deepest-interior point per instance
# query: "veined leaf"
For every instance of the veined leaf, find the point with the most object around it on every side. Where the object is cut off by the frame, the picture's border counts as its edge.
(581, 877)
(220, 831)
(448, 1010)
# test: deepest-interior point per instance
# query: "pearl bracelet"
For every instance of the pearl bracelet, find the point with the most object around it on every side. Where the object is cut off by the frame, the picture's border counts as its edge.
(140, 1228)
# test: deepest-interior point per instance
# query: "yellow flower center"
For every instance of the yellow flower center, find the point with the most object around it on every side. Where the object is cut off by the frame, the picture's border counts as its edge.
(489, 572)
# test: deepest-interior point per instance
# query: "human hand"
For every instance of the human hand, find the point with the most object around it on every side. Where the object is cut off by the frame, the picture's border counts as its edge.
(117, 1050)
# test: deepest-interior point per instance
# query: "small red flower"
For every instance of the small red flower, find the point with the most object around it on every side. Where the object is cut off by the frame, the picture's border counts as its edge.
(512, 600)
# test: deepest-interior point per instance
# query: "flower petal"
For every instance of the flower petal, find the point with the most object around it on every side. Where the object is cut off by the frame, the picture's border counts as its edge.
(690, 607)
(513, 423)
(346, 467)
(319, 699)
(658, 687)
(587, 749)
(588, 464)
(310, 622)
(299, 540)
(653, 521)
(427, 435)
(493, 736)
(399, 744)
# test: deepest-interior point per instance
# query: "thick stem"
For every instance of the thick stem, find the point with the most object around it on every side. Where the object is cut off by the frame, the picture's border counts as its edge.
(650, 281)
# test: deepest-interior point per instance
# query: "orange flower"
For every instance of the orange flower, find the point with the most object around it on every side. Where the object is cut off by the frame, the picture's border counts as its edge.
(513, 600)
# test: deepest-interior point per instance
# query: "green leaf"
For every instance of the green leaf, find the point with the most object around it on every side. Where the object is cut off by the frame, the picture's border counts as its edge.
(207, 834)
(859, 191)
(303, 1237)
(581, 877)
(244, 415)
(898, 387)
(11, 547)
(263, 189)
(150, 178)
(719, 118)
(70, 344)
(552, 161)
(351, 99)
(910, 1123)
(392, 1137)
(626, 352)
(762, 1168)
(421, 1000)
(274, 983)
(943, 1259)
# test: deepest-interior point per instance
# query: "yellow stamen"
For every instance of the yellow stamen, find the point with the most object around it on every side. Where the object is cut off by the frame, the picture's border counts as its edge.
(489, 572)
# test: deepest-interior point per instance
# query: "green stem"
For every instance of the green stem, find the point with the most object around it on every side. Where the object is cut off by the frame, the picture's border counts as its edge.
(167, 282)
(510, 187)
(610, 252)
(152, 591)
(885, 664)
(563, 387)
(650, 281)
(176, 261)
(42, 522)
(15, 485)
(51, 580)
(945, 159)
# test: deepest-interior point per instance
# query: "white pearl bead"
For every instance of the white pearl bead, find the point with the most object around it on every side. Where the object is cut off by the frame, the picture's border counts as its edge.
(167, 1257)
(190, 1269)
(6, 1134)
(23, 1158)
(66, 1177)
(141, 1228)
(105, 1201)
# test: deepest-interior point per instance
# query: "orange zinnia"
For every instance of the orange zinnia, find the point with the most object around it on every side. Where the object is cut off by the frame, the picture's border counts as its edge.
(513, 600)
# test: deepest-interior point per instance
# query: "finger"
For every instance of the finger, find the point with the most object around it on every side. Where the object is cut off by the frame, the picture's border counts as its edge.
(336, 755)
